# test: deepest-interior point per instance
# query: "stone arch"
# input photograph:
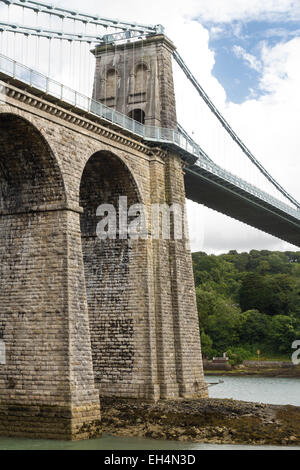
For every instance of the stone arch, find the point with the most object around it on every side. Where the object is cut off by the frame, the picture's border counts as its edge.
(30, 176)
(112, 269)
(105, 169)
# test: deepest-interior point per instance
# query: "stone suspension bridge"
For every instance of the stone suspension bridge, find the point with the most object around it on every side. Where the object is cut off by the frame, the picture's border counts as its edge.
(82, 317)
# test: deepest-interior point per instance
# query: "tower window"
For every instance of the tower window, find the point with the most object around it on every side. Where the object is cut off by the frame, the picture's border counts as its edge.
(140, 79)
(109, 85)
(138, 115)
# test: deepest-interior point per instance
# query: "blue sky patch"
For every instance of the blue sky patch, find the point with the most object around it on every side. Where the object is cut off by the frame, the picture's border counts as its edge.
(237, 48)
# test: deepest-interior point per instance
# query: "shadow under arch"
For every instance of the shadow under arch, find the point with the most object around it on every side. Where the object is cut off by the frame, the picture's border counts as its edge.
(105, 179)
(29, 173)
(111, 273)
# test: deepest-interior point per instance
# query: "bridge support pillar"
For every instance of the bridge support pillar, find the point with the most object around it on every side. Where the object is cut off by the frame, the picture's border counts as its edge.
(189, 365)
(179, 360)
(46, 377)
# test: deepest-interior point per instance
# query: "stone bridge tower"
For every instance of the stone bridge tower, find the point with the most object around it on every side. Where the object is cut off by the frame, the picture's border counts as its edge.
(136, 79)
(83, 318)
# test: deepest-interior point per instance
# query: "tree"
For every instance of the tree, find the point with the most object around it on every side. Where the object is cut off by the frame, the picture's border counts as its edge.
(215, 273)
(282, 333)
(272, 294)
(279, 263)
(238, 355)
(264, 285)
(205, 303)
(206, 345)
(279, 292)
(252, 292)
(224, 325)
(263, 267)
(255, 327)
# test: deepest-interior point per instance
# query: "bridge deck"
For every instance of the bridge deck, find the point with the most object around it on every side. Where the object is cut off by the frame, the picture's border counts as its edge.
(240, 205)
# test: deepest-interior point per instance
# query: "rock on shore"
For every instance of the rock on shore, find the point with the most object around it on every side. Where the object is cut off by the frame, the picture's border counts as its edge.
(204, 420)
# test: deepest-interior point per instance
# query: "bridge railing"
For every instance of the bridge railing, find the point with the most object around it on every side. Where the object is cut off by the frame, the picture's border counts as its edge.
(47, 85)
(150, 133)
(245, 186)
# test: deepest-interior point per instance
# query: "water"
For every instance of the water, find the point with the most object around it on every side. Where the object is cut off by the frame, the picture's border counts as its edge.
(277, 391)
(121, 443)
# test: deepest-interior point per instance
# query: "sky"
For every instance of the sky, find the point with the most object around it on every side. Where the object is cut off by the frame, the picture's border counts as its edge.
(245, 53)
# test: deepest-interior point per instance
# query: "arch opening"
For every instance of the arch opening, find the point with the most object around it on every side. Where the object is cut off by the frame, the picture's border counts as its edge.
(138, 115)
(110, 267)
(29, 175)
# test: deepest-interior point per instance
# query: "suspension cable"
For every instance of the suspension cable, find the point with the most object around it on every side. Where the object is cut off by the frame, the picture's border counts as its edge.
(44, 7)
(70, 36)
(230, 131)
(48, 33)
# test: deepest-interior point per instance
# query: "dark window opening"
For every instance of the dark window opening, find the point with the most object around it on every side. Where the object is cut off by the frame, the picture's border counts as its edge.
(138, 115)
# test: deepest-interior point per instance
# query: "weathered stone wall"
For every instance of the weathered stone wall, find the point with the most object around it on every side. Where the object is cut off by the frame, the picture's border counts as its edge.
(42, 296)
(189, 367)
(211, 365)
(157, 99)
(112, 267)
(268, 364)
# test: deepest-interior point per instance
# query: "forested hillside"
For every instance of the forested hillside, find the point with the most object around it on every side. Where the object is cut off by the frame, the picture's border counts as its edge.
(248, 301)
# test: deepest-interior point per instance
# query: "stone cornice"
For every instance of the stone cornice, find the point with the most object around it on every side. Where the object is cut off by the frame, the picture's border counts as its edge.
(159, 39)
(78, 117)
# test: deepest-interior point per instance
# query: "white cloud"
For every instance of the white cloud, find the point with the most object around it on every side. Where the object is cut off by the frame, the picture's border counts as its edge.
(250, 59)
(281, 33)
(219, 234)
(230, 10)
(166, 11)
(269, 124)
(216, 32)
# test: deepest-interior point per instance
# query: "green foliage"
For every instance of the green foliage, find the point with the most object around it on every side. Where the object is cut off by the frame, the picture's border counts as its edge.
(255, 327)
(252, 293)
(238, 355)
(282, 333)
(248, 301)
(224, 325)
(216, 274)
(206, 345)
(276, 294)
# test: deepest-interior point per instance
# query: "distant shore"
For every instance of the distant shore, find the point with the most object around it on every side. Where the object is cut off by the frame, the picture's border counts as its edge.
(293, 372)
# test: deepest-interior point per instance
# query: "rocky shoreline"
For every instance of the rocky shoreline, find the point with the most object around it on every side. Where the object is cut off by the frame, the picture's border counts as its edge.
(244, 371)
(203, 420)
